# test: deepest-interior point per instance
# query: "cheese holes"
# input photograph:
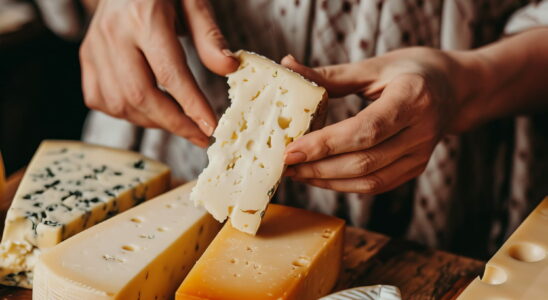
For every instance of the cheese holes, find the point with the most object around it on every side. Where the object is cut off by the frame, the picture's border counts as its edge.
(527, 252)
(494, 275)
(162, 229)
(302, 261)
(283, 122)
(327, 233)
(256, 95)
(129, 248)
(136, 220)
(249, 145)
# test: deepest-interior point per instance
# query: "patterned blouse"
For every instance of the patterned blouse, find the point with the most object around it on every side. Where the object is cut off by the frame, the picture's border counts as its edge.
(477, 187)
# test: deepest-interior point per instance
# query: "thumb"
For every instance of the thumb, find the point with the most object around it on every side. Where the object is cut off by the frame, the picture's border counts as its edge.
(339, 80)
(208, 38)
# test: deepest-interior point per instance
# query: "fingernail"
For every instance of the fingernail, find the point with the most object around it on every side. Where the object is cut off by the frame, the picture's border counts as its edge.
(294, 158)
(228, 53)
(206, 127)
(290, 172)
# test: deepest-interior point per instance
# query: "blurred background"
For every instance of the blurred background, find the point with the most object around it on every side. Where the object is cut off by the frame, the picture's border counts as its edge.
(40, 93)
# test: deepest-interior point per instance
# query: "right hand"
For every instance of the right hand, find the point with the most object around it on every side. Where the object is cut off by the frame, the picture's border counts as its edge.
(131, 47)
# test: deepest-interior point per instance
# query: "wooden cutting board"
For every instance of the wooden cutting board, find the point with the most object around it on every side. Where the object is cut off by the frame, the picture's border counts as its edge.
(369, 258)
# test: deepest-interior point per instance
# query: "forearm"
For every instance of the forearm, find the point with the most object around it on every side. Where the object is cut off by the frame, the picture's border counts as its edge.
(509, 77)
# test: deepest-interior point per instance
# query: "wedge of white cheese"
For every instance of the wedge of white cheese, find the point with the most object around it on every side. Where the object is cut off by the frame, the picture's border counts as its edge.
(68, 187)
(270, 107)
(143, 253)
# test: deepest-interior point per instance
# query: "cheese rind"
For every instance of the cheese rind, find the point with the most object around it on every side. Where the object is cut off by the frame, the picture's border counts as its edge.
(519, 269)
(270, 107)
(143, 253)
(296, 254)
(70, 186)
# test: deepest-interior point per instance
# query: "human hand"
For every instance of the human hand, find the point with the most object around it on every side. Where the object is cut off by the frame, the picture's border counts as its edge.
(391, 140)
(131, 46)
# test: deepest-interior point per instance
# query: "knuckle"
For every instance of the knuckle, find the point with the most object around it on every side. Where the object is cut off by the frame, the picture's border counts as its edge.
(316, 171)
(136, 96)
(365, 163)
(91, 102)
(109, 24)
(325, 146)
(371, 132)
(117, 109)
(165, 75)
(370, 184)
(214, 33)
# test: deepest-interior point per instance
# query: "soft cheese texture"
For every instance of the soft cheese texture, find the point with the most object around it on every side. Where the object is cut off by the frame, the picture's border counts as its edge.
(143, 253)
(296, 254)
(70, 186)
(519, 270)
(270, 107)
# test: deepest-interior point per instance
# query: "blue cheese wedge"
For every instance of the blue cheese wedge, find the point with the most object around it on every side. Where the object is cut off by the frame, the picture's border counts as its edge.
(68, 187)
(143, 253)
(270, 107)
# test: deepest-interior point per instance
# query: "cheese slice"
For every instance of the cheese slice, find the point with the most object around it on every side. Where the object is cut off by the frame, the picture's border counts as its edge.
(70, 186)
(271, 106)
(143, 253)
(295, 255)
(519, 270)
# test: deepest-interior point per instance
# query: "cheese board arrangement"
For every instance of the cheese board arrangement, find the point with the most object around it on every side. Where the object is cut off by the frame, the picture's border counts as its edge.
(91, 222)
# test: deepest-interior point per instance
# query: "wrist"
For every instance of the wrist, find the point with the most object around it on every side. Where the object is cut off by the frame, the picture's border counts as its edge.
(471, 84)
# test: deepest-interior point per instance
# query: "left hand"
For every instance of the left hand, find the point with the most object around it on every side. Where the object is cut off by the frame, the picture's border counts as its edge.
(391, 140)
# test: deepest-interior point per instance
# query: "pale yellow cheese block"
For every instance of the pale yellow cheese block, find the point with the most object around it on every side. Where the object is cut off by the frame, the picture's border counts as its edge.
(519, 270)
(143, 253)
(296, 254)
(270, 107)
(68, 187)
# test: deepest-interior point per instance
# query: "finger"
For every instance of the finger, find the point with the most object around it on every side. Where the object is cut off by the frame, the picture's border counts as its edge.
(114, 104)
(377, 122)
(91, 91)
(339, 80)
(378, 182)
(143, 96)
(360, 163)
(136, 117)
(208, 38)
(167, 61)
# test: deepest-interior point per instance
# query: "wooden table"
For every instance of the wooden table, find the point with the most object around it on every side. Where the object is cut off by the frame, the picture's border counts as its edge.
(369, 258)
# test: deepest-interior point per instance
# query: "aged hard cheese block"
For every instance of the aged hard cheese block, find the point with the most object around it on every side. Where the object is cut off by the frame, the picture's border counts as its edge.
(143, 253)
(68, 187)
(271, 106)
(295, 255)
(519, 270)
